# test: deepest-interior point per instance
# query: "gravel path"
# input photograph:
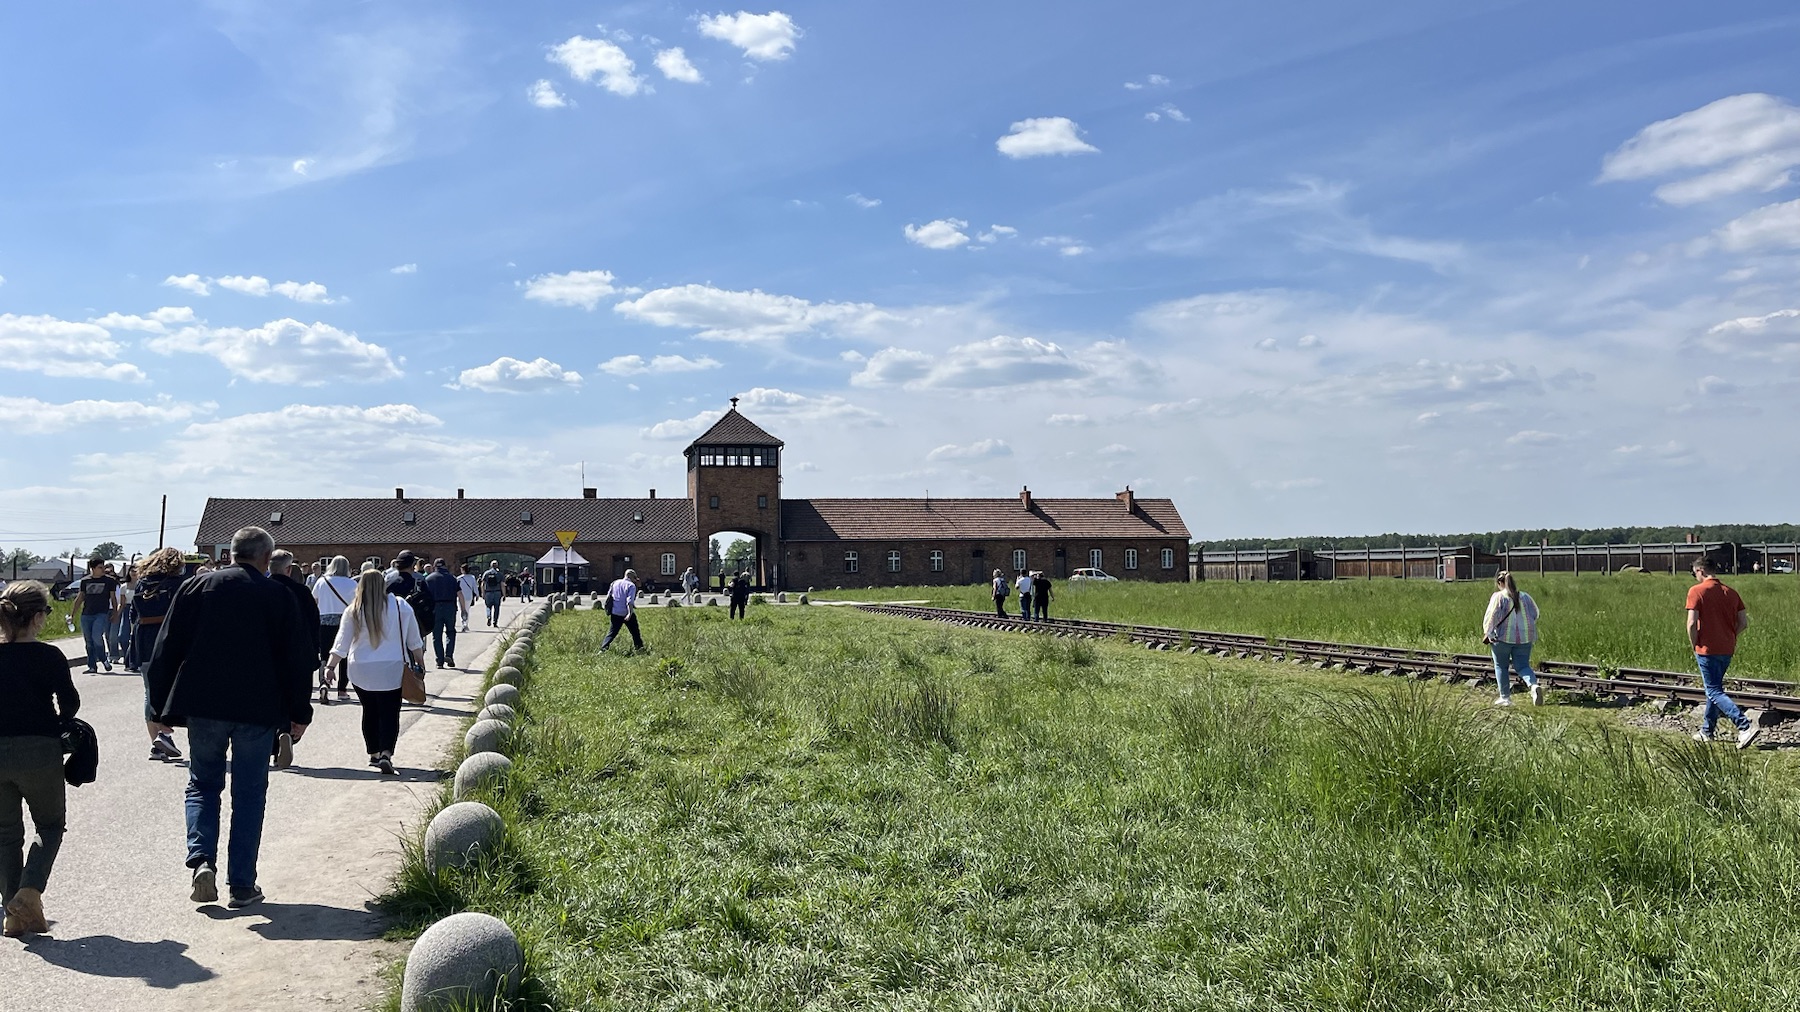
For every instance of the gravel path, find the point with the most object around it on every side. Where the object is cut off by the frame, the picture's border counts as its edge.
(123, 932)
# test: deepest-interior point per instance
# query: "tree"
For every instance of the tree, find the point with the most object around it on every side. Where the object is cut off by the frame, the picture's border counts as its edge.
(109, 550)
(18, 560)
(714, 563)
(740, 556)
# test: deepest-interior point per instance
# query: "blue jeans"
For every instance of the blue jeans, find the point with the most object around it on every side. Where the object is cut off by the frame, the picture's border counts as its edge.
(1025, 607)
(1513, 656)
(250, 745)
(443, 629)
(93, 636)
(1712, 676)
(492, 598)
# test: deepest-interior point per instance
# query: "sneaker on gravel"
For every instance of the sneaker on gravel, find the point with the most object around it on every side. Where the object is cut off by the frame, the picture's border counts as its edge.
(1503, 701)
(167, 741)
(241, 898)
(386, 766)
(1702, 737)
(206, 885)
(1537, 695)
(1748, 735)
(284, 750)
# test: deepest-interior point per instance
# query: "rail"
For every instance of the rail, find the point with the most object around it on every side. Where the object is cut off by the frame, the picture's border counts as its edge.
(1779, 699)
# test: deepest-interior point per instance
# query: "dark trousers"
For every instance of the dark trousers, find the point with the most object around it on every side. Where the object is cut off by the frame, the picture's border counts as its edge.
(628, 621)
(380, 719)
(443, 629)
(1000, 605)
(1040, 606)
(248, 762)
(31, 776)
(738, 606)
(328, 636)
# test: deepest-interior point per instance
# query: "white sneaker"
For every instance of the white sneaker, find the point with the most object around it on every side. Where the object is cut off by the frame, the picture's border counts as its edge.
(1537, 695)
(1702, 737)
(1748, 735)
(1503, 701)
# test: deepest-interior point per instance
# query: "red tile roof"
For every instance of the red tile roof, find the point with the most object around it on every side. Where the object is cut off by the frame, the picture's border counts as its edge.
(736, 430)
(946, 519)
(449, 521)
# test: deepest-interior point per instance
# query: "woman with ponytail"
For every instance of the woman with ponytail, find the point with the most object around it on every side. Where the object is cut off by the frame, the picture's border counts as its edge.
(377, 637)
(1509, 628)
(36, 697)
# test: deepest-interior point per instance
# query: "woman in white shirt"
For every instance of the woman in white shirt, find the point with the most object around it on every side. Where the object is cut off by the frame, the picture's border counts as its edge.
(333, 592)
(377, 637)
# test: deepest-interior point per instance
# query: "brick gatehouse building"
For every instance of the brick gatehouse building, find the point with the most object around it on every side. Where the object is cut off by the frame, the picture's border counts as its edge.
(734, 485)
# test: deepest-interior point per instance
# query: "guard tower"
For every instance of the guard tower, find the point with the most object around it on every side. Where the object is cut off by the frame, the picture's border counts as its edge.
(734, 480)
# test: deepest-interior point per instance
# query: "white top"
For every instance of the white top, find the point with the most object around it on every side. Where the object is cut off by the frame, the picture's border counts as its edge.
(469, 584)
(334, 594)
(1024, 585)
(377, 668)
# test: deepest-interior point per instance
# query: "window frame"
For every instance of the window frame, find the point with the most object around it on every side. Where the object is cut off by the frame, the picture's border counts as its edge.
(668, 563)
(852, 562)
(712, 502)
(1097, 558)
(1020, 559)
(1131, 558)
(937, 560)
(893, 560)
(1168, 558)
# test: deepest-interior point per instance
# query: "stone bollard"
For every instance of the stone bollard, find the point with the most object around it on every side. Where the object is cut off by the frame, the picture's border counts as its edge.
(460, 834)
(556, 609)
(712, 602)
(502, 693)
(672, 603)
(483, 769)
(498, 711)
(464, 961)
(509, 675)
(805, 600)
(781, 598)
(487, 736)
(652, 599)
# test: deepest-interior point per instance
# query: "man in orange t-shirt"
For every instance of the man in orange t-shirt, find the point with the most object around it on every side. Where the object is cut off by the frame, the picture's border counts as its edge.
(1715, 617)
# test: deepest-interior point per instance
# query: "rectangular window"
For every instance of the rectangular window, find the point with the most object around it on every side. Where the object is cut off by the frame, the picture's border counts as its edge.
(731, 456)
(668, 564)
(893, 562)
(1168, 558)
(1094, 556)
(937, 562)
(756, 457)
(1018, 558)
(849, 562)
(762, 502)
(1130, 558)
(713, 502)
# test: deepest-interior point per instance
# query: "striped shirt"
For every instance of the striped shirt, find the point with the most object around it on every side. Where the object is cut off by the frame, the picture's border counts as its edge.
(1506, 624)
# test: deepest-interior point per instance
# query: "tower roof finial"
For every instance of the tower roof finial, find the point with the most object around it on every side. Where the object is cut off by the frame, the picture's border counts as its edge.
(734, 401)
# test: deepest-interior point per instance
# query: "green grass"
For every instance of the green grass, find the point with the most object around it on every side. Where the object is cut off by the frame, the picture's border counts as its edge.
(818, 809)
(1624, 620)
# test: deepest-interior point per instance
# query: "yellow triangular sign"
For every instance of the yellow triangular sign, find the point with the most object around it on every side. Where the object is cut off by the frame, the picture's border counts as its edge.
(566, 538)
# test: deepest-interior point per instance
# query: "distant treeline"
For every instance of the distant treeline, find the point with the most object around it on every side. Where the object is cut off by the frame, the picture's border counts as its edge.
(1494, 541)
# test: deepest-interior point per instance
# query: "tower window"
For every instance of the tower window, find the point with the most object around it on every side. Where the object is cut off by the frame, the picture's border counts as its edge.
(762, 502)
(713, 502)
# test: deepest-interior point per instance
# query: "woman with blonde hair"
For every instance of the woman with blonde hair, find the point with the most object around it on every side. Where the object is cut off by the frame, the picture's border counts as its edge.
(36, 698)
(160, 575)
(1509, 628)
(377, 638)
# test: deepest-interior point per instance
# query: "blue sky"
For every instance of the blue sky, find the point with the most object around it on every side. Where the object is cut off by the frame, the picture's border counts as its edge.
(1303, 268)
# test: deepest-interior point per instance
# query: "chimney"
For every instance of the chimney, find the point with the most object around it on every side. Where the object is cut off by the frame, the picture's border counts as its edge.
(400, 493)
(1025, 497)
(459, 493)
(590, 493)
(1129, 498)
(652, 493)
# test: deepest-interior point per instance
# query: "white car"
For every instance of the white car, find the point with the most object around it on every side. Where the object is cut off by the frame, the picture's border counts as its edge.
(1092, 574)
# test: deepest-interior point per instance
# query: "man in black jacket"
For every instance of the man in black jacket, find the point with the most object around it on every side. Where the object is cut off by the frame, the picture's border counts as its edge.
(282, 570)
(234, 664)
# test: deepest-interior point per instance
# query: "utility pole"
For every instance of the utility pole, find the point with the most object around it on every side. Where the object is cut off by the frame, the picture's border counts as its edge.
(162, 524)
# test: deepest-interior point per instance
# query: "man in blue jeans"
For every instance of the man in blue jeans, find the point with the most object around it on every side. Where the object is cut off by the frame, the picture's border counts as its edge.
(446, 597)
(233, 662)
(96, 601)
(1715, 617)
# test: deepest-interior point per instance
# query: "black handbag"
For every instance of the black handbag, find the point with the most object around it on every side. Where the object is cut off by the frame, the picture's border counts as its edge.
(82, 746)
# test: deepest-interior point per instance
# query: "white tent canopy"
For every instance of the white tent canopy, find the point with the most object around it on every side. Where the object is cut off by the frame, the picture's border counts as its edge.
(562, 557)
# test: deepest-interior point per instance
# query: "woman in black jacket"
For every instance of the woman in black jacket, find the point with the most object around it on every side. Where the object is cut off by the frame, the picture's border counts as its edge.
(36, 697)
(151, 597)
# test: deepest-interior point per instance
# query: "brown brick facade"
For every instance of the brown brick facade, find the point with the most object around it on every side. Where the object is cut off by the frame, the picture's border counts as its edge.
(822, 564)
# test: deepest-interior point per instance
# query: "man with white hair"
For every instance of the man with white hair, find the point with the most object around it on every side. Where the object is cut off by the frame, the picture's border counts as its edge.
(621, 610)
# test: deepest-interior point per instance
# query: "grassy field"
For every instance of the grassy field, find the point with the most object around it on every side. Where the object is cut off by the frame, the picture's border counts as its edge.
(1622, 620)
(817, 809)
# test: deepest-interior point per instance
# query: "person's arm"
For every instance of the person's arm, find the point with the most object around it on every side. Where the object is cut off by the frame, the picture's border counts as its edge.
(1743, 619)
(1693, 627)
(1487, 618)
(295, 657)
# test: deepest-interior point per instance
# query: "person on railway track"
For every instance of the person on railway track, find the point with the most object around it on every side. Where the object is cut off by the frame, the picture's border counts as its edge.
(1023, 584)
(36, 698)
(1002, 591)
(1509, 628)
(1040, 596)
(1716, 616)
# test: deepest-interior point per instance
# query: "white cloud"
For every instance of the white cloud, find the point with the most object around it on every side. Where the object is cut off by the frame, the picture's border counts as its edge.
(1286, 485)
(62, 348)
(1067, 245)
(506, 375)
(311, 291)
(1775, 335)
(995, 233)
(944, 233)
(155, 322)
(252, 285)
(544, 95)
(981, 449)
(1745, 142)
(2, 279)
(768, 36)
(635, 365)
(1041, 136)
(31, 416)
(1153, 81)
(863, 202)
(774, 405)
(260, 287)
(285, 351)
(1775, 226)
(301, 165)
(585, 59)
(675, 66)
(1075, 420)
(404, 269)
(1534, 437)
(188, 282)
(1167, 109)
(575, 288)
(997, 363)
(721, 315)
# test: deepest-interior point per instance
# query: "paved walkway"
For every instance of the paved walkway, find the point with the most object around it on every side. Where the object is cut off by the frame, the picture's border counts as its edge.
(123, 932)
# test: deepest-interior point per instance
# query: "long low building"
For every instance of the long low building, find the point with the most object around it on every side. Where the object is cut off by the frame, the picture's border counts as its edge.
(734, 486)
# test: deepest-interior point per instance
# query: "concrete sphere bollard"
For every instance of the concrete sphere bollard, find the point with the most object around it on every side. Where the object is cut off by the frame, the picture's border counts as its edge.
(461, 833)
(487, 736)
(556, 608)
(466, 960)
(483, 769)
(509, 675)
(514, 659)
(502, 693)
(712, 602)
(500, 712)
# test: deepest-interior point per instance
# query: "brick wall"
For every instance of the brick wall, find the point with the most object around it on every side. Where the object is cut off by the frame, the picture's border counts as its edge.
(821, 564)
(738, 489)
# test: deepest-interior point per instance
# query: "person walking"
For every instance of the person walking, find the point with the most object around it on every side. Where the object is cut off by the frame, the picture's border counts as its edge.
(621, 610)
(314, 575)
(36, 699)
(95, 602)
(740, 595)
(1716, 616)
(469, 589)
(115, 628)
(376, 640)
(283, 570)
(690, 583)
(1040, 597)
(332, 595)
(1002, 591)
(527, 586)
(1023, 583)
(151, 597)
(446, 598)
(493, 588)
(1509, 628)
(234, 663)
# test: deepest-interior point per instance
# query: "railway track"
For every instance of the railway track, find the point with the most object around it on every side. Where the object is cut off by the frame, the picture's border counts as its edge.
(1779, 700)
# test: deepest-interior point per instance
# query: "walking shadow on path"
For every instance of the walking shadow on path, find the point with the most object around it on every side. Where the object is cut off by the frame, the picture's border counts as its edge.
(163, 964)
(296, 922)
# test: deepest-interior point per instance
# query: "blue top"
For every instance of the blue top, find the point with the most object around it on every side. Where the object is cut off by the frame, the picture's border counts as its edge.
(621, 597)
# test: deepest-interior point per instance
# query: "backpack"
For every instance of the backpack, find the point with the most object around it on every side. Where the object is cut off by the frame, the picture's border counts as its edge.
(491, 580)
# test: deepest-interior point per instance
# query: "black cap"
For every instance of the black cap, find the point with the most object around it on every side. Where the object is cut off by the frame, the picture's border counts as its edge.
(405, 555)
